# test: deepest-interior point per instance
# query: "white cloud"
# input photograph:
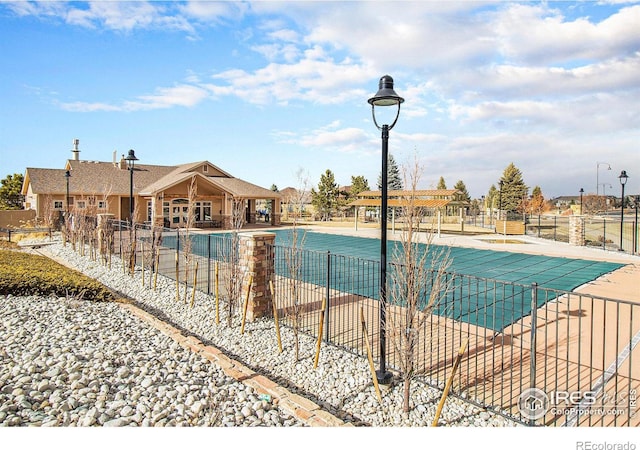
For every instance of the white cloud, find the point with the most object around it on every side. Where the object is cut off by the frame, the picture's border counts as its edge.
(311, 79)
(331, 137)
(182, 95)
(537, 35)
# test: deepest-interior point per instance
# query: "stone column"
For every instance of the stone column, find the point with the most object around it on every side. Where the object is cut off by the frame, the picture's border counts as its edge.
(576, 230)
(257, 259)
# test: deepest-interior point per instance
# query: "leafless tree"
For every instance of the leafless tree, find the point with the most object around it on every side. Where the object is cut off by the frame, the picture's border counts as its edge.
(187, 243)
(293, 260)
(232, 275)
(417, 284)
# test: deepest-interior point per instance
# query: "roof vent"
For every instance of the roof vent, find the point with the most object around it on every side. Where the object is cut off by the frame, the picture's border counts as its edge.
(76, 151)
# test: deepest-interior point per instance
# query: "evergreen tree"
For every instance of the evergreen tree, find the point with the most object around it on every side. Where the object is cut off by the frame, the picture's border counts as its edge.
(492, 197)
(358, 184)
(513, 189)
(10, 192)
(441, 183)
(325, 199)
(394, 180)
(463, 191)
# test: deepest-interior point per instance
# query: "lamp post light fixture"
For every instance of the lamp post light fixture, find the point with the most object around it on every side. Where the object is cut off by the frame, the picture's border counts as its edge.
(131, 162)
(385, 96)
(623, 180)
(581, 192)
(598, 164)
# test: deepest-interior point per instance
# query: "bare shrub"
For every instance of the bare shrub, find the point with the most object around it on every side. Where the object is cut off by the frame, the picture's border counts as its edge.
(293, 257)
(232, 274)
(418, 282)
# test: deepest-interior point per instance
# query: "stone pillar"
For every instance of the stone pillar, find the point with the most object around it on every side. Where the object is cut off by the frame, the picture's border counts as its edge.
(257, 259)
(105, 233)
(576, 230)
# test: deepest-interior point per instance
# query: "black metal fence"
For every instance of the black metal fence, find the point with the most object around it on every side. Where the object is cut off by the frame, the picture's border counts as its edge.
(10, 233)
(578, 351)
(599, 231)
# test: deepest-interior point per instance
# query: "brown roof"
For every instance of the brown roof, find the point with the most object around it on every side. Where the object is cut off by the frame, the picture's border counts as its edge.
(241, 188)
(422, 193)
(45, 181)
(222, 180)
(426, 203)
(292, 195)
(96, 177)
(107, 178)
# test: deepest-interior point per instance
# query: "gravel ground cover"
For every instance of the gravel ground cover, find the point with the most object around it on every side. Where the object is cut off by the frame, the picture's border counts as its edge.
(133, 374)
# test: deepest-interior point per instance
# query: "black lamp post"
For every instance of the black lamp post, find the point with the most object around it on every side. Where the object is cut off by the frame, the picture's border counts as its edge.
(500, 200)
(623, 180)
(131, 162)
(581, 192)
(67, 175)
(385, 96)
(484, 210)
(635, 234)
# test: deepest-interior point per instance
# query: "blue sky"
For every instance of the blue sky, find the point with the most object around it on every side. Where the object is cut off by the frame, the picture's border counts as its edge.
(276, 92)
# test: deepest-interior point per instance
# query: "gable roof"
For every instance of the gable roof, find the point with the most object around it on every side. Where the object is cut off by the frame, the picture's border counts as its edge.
(222, 180)
(44, 181)
(240, 188)
(108, 178)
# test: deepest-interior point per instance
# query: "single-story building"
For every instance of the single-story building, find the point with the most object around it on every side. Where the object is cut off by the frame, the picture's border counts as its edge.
(161, 194)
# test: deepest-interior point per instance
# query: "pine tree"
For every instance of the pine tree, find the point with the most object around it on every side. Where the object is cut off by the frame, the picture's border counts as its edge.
(394, 180)
(358, 184)
(441, 183)
(10, 196)
(325, 199)
(513, 188)
(463, 191)
(492, 197)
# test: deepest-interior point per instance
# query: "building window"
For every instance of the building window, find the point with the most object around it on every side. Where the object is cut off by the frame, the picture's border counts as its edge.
(149, 210)
(81, 204)
(57, 204)
(91, 201)
(205, 168)
(203, 211)
(102, 204)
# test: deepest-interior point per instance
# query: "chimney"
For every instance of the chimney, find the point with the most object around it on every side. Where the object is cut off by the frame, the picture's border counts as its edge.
(115, 164)
(75, 151)
(123, 163)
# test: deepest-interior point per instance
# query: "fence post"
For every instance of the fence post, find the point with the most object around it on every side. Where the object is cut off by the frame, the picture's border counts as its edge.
(208, 264)
(635, 233)
(604, 234)
(9, 230)
(555, 227)
(534, 318)
(539, 225)
(327, 295)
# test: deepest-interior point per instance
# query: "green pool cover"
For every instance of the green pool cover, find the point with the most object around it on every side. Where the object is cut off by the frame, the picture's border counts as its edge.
(496, 293)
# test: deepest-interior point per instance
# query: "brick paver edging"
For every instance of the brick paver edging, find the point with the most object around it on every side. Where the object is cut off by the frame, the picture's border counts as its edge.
(294, 404)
